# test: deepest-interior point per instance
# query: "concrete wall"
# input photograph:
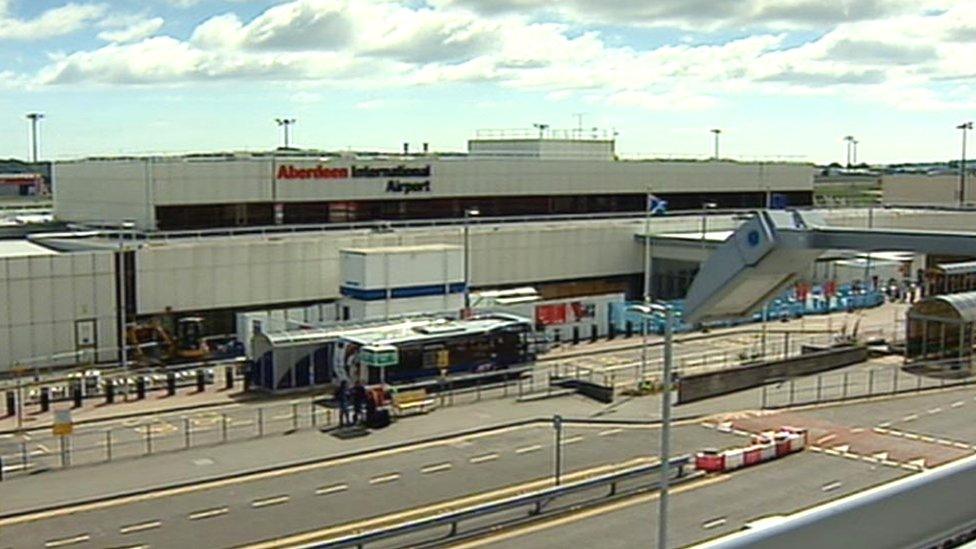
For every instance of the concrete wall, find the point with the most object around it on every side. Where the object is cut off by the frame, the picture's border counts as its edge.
(702, 386)
(43, 297)
(91, 190)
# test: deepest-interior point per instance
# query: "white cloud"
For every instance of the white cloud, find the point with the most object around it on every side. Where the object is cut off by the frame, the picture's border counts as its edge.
(378, 44)
(56, 21)
(133, 32)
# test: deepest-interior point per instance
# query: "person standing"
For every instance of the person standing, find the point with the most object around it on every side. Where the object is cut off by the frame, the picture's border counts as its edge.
(342, 397)
(359, 401)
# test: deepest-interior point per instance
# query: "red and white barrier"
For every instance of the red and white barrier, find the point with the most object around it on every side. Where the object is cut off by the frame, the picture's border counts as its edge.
(764, 447)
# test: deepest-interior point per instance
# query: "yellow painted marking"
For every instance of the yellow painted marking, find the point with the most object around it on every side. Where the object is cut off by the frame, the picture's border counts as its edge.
(269, 501)
(67, 541)
(325, 490)
(210, 485)
(384, 478)
(436, 468)
(140, 527)
(413, 514)
(209, 513)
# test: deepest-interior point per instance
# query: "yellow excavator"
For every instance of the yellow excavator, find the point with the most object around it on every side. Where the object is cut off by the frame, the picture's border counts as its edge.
(151, 343)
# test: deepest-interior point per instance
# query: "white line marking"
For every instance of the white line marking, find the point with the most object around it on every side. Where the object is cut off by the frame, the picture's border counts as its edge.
(527, 449)
(571, 440)
(957, 404)
(885, 425)
(912, 436)
(962, 445)
(713, 523)
(924, 438)
(208, 513)
(608, 432)
(67, 541)
(911, 417)
(436, 468)
(140, 527)
(935, 410)
(484, 458)
(269, 501)
(385, 478)
(826, 438)
(831, 486)
(331, 489)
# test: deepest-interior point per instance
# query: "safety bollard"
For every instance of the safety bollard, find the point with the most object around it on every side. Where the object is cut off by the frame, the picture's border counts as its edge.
(11, 403)
(223, 427)
(186, 432)
(229, 377)
(576, 335)
(109, 391)
(148, 439)
(611, 332)
(76, 394)
(294, 416)
(201, 381)
(247, 381)
(260, 422)
(312, 410)
(593, 333)
(45, 399)
(629, 327)
(108, 445)
(171, 384)
(141, 388)
(1, 468)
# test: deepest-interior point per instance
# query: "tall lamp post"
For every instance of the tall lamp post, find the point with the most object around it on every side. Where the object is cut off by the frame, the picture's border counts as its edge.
(34, 118)
(849, 139)
(468, 214)
(123, 312)
(666, 374)
(717, 132)
(965, 126)
(647, 279)
(286, 124)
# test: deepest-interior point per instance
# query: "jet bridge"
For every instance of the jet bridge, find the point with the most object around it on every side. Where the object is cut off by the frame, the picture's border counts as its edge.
(771, 250)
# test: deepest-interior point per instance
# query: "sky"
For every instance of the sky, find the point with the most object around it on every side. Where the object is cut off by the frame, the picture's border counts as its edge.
(782, 79)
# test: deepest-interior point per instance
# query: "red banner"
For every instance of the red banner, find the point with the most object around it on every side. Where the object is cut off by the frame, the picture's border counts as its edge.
(550, 315)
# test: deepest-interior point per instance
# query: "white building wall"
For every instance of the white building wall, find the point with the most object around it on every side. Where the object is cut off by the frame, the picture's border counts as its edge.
(43, 297)
(103, 191)
(373, 310)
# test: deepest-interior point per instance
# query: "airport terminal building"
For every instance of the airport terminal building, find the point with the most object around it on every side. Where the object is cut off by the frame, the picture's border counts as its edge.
(499, 177)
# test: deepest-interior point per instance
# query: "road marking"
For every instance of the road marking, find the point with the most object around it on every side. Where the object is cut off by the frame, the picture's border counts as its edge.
(140, 527)
(251, 477)
(957, 404)
(912, 436)
(384, 478)
(884, 424)
(881, 457)
(67, 541)
(831, 486)
(208, 513)
(962, 445)
(713, 523)
(277, 500)
(935, 410)
(910, 417)
(826, 438)
(609, 432)
(325, 490)
(572, 440)
(527, 449)
(857, 430)
(842, 448)
(475, 499)
(586, 513)
(484, 458)
(436, 468)
(925, 438)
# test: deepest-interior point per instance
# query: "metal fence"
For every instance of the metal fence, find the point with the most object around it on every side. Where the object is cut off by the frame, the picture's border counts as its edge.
(871, 382)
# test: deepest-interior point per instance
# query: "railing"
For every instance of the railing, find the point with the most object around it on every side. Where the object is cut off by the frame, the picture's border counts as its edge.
(535, 501)
(872, 382)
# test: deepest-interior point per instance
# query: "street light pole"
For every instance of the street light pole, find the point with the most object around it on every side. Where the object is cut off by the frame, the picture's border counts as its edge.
(468, 214)
(717, 132)
(849, 139)
(123, 343)
(662, 532)
(285, 124)
(34, 118)
(704, 224)
(965, 126)
(647, 281)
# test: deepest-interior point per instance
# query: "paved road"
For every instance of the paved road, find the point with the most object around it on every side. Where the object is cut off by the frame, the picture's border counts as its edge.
(278, 504)
(704, 510)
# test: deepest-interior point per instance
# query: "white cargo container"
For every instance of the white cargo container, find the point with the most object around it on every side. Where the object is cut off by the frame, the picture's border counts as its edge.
(394, 280)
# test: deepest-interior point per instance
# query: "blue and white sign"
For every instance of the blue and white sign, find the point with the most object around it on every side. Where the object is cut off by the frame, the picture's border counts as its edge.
(656, 206)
